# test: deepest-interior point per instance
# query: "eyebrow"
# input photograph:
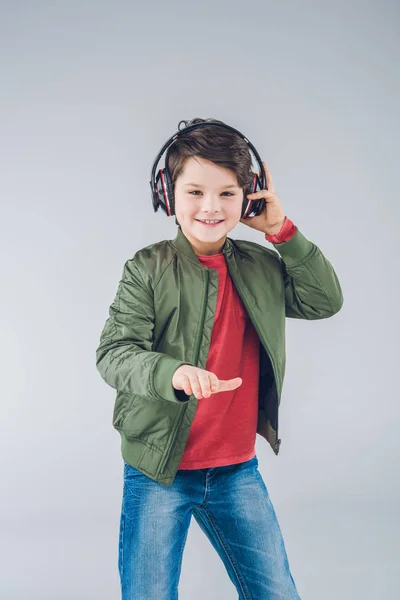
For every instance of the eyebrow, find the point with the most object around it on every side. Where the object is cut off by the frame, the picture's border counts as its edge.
(223, 186)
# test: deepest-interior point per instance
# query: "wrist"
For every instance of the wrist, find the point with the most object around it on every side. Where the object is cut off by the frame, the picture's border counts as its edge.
(276, 228)
(286, 232)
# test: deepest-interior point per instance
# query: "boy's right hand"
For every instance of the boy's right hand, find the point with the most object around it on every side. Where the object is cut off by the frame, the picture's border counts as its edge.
(200, 382)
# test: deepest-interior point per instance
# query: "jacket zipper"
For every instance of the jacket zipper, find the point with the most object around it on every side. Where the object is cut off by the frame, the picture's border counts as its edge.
(278, 441)
(196, 358)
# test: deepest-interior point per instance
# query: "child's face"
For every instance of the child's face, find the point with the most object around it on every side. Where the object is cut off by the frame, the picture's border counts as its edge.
(216, 196)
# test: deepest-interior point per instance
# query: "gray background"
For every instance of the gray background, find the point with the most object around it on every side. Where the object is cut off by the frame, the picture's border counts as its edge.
(89, 93)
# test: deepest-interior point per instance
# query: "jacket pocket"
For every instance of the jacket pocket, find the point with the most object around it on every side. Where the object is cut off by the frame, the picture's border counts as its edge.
(122, 406)
(151, 420)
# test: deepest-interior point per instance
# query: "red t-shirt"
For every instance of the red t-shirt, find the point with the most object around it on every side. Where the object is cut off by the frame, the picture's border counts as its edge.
(224, 428)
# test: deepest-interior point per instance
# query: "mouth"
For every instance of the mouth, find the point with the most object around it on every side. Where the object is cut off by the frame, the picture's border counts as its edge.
(210, 222)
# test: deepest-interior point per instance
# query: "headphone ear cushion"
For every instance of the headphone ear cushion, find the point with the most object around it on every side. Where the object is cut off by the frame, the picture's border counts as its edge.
(248, 205)
(170, 190)
(256, 184)
(164, 196)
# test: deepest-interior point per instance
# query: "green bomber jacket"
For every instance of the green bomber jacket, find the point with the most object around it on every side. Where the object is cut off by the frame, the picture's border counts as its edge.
(162, 317)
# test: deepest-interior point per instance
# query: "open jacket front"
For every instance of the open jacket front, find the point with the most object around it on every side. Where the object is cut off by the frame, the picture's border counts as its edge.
(162, 317)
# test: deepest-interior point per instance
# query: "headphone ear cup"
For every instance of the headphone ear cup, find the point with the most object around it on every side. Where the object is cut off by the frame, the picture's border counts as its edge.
(164, 191)
(259, 204)
(249, 206)
(170, 191)
(257, 183)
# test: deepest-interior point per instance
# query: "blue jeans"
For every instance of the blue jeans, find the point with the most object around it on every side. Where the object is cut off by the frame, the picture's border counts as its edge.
(231, 505)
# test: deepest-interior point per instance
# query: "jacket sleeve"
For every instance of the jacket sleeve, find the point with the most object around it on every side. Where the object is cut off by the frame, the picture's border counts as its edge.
(124, 357)
(312, 288)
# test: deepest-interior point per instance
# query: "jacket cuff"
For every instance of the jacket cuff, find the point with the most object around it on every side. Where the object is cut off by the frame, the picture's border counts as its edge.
(294, 250)
(285, 233)
(162, 379)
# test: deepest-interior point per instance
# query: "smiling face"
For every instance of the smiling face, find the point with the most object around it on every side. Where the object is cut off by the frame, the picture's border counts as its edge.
(206, 191)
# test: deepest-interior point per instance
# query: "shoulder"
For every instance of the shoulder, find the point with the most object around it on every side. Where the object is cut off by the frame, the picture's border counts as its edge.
(152, 260)
(153, 251)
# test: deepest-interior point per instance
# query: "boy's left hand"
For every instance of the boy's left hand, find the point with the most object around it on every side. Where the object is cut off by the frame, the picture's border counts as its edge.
(272, 217)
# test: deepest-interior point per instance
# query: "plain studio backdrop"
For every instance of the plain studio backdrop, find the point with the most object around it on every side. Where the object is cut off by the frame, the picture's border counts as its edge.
(90, 91)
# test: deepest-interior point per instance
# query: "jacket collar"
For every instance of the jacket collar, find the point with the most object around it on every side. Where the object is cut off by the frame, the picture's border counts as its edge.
(183, 245)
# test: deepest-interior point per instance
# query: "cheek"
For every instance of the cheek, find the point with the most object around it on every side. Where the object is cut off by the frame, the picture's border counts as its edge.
(185, 209)
(235, 212)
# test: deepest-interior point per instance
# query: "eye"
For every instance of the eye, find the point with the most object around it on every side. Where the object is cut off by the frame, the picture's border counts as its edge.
(195, 191)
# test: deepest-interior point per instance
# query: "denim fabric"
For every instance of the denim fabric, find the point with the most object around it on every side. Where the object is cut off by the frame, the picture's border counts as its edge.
(231, 505)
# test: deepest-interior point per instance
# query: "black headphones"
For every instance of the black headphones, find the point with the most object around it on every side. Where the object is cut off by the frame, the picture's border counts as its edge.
(162, 189)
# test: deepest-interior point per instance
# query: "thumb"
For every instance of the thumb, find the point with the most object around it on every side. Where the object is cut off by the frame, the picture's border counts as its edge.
(229, 384)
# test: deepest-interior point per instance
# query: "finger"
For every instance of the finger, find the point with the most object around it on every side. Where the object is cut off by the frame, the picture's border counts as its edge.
(205, 385)
(261, 194)
(187, 388)
(214, 383)
(196, 387)
(184, 381)
(268, 175)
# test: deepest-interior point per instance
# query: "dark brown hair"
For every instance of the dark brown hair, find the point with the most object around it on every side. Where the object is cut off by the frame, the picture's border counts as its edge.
(217, 144)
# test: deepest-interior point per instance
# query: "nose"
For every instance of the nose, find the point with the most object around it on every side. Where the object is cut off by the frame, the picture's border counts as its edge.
(211, 203)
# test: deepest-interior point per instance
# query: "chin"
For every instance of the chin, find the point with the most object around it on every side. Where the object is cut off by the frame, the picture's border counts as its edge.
(216, 232)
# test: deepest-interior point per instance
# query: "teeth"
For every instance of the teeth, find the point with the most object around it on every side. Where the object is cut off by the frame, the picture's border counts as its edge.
(211, 222)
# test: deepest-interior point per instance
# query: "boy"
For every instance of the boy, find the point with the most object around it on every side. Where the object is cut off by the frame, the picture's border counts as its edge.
(195, 348)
